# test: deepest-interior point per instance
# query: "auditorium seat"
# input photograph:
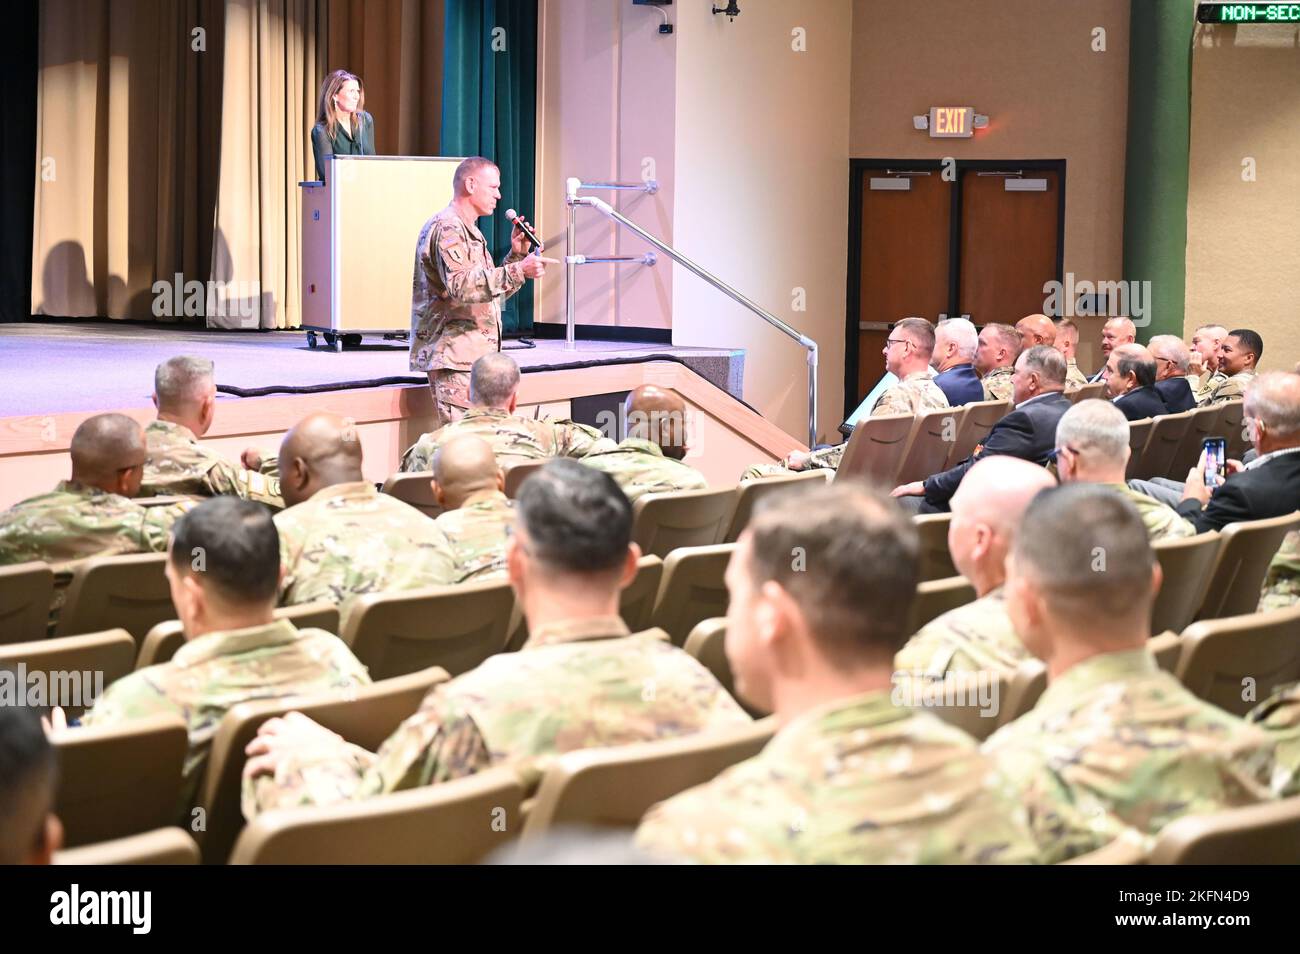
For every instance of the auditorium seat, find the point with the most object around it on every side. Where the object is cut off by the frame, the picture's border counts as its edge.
(936, 561)
(1162, 446)
(458, 822)
(688, 518)
(751, 492)
(1264, 834)
(415, 489)
(163, 846)
(692, 589)
(637, 601)
(936, 597)
(931, 442)
(26, 590)
(365, 716)
(162, 641)
(455, 627)
(875, 449)
(129, 591)
(1086, 392)
(1138, 433)
(1166, 647)
(707, 643)
(111, 653)
(1185, 564)
(516, 474)
(1204, 421)
(615, 787)
(119, 780)
(970, 701)
(975, 426)
(1246, 550)
(1027, 683)
(1220, 659)
(1232, 428)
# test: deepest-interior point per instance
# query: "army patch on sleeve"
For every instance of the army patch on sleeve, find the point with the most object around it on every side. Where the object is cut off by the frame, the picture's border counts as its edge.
(455, 253)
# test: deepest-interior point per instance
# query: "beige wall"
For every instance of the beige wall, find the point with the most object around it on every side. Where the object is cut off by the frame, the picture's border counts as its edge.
(1243, 238)
(1027, 64)
(762, 193)
(605, 105)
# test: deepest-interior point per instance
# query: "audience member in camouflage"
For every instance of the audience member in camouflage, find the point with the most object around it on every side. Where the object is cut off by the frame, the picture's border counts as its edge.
(235, 651)
(986, 516)
(1067, 342)
(185, 394)
(1114, 744)
(456, 291)
(850, 776)
(1092, 446)
(1281, 588)
(91, 514)
(1238, 355)
(477, 517)
(649, 459)
(494, 384)
(341, 537)
(1205, 385)
(582, 679)
(995, 360)
(1279, 715)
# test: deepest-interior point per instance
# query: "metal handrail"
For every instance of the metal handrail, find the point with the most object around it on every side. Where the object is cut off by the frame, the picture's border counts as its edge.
(573, 200)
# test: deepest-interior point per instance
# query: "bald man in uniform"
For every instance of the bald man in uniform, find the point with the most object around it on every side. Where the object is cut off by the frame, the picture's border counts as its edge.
(457, 292)
(986, 516)
(341, 537)
(1115, 332)
(1067, 342)
(1036, 330)
(1203, 373)
(649, 459)
(477, 517)
(995, 360)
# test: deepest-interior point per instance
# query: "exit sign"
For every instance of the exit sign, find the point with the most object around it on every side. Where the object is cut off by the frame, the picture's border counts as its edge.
(1248, 13)
(952, 122)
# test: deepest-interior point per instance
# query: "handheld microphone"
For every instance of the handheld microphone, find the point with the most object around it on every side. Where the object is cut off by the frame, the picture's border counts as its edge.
(515, 219)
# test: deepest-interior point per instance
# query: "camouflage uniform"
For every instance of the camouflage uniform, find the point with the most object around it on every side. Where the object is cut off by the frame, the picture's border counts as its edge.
(1279, 715)
(977, 636)
(1162, 521)
(1281, 588)
(641, 468)
(998, 385)
(915, 394)
(512, 438)
(1204, 385)
(75, 522)
(1115, 744)
(858, 780)
(576, 684)
(477, 532)
(456, 297)
(350, 539)
(1228, 389)
(1074, 378)
(215, 672)
(179, 464)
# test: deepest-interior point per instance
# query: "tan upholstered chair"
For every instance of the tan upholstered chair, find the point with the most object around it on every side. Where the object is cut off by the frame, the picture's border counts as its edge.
(936, 597)
(692, 589)
(970, 701)
(129, 591)
(1163, 444)
(975, 426)
(415, 489)
(119, 780)
(688, 518)
(1085, 392)
(875, 450)
(516, 474)
(455, 627)
(1166, 647)
(163, 846)
(1139, 432)
(1265, 834)
(92, 657)
(1244, 555)
(936, 561)
(162, 641)
(1232, 427)
(365, 716)
(932, 441)
(637, 601)
(1236, 661)
(26, 591)
(452, 823)
(1203, 423)
(1185, 565)
(752, 492)
(614, 787)
(1027, 683)
(707, 643)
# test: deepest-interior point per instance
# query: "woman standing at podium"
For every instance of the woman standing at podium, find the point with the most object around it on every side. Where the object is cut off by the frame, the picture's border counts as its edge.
(343, 127)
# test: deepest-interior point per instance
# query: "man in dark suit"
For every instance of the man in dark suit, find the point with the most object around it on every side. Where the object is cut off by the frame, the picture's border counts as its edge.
(955, 341)
(1115, 332)
(1028, 432)
(1172, 358)
(1269, 486)
(1131, 380)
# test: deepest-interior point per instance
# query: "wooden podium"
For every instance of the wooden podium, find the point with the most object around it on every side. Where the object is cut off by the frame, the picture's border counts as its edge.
(358, 242)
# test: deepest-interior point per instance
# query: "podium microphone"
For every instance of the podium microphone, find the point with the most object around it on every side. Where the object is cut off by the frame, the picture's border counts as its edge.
(516, 219)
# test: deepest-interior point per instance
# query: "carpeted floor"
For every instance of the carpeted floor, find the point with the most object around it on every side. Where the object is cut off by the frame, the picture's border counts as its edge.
(60, 366)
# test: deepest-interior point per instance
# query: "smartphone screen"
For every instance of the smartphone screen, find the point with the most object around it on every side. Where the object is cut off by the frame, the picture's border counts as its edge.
(1214, 451)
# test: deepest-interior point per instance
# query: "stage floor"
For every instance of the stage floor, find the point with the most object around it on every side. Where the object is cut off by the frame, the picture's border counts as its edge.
(65, 366)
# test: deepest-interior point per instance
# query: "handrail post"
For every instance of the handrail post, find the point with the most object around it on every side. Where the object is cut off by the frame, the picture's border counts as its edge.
(570, 269)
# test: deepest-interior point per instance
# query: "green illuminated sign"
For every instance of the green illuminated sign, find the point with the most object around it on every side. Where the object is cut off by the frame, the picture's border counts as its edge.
(1248, 13)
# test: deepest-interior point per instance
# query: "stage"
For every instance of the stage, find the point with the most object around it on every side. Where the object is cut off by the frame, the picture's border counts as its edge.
(55, 374)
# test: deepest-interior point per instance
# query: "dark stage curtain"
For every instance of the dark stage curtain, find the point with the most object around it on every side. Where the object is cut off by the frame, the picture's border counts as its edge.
(489, 108)
(18, 46)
